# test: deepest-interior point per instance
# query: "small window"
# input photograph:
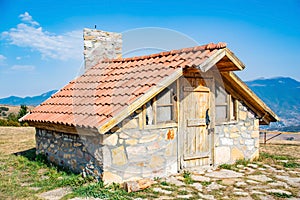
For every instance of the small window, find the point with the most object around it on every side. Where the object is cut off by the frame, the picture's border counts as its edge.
(225, 105)
(162, 108)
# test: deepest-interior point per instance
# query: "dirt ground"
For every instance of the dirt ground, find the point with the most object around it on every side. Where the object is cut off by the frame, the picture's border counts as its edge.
(16, 139)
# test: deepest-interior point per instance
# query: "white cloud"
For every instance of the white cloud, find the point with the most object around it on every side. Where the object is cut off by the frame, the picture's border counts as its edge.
(2, 60)
(28, 18)
(22, 68)
(2, 57)
(18, 58)
(29, 34)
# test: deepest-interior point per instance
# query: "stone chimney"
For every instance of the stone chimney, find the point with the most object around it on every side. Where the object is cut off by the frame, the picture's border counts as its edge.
(99, 45)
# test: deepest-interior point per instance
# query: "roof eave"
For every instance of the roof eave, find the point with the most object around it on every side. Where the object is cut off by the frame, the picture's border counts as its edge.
(266, 115)
(217, 57)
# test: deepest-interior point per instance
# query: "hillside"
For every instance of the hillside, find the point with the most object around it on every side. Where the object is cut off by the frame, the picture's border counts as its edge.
(282, 95)
(32, 101)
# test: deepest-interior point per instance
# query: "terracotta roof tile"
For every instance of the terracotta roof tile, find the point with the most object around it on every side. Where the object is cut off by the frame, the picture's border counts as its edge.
(110, 86)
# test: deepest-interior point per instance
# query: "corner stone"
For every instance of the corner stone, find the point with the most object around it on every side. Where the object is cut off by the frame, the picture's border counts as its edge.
(119, 156)
(236, 154)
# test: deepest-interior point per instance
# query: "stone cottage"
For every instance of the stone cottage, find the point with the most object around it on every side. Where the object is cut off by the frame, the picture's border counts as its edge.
(150, 116)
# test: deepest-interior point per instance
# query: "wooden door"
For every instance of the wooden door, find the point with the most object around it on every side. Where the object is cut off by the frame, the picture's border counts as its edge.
(195, 101)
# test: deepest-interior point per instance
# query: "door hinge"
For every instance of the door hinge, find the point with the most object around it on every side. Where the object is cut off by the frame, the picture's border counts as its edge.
(211, 131)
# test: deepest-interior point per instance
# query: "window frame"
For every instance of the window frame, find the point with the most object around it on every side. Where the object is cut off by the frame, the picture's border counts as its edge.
(155, 106)
(231, 107)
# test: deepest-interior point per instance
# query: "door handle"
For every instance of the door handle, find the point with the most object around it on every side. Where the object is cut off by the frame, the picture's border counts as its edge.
(207, 119)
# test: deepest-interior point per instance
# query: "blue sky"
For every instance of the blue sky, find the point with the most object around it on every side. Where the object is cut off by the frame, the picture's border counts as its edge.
(41, 41)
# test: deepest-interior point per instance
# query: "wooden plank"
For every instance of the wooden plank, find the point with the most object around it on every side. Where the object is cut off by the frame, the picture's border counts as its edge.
(198, 156)
(196, 122)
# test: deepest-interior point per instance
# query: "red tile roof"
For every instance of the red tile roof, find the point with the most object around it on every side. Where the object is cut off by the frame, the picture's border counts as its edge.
(110, 86)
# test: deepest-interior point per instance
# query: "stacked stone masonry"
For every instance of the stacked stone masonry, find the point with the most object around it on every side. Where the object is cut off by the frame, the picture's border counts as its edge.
(100, 45)
(237, 140)
(79, 153)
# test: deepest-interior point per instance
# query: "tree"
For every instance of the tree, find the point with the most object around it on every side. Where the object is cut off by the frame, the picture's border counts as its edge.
(23, 111)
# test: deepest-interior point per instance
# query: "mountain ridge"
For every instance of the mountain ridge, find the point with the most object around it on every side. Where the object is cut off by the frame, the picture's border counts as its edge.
(28, 100)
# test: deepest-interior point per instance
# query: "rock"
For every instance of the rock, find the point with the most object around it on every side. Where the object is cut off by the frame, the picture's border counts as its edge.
(222, 155)
(109, 178)
(156, 162)
(162, 191)
(279, 184)
(148, 138)
(187, 196)
(249, 170)
(295, 182)
(240, 184)
(174, 181)
(260, 178)
(200, 178)
(111, 139)
(254, 166)
(197, 186)
(251, 182)
(228, 181)
(257, 192)
(236, 154)
(119, 156)
(55, 194)
(278, 191)
(266, 197)
(224, 173)
(241, 193)
(214, 186)
(207, 197)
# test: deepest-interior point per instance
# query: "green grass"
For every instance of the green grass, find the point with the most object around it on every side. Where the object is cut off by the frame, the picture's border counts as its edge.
(187, 178)
(18, 174)
(32, 171)
(226, 166)
(206, 183)
(264, 155)
(291, 165)
(277, 158)
(242, 162)
(281, 195)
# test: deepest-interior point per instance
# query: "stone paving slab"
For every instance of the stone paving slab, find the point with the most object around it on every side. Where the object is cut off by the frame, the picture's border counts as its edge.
(55, 194)
(224, 173)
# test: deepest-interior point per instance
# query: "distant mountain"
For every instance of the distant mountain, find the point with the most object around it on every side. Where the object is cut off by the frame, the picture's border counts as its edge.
(282, 95)
(32, 101)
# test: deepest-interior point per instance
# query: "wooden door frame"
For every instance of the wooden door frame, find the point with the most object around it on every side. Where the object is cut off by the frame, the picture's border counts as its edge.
(180, 138)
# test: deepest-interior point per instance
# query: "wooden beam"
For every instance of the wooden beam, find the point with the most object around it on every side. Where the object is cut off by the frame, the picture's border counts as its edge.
(212, 60)
(249, 97)
(234, 59)
(54, 127)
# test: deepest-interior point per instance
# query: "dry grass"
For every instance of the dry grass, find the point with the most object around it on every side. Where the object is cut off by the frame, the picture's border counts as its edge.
(16, 139)
(283, 149)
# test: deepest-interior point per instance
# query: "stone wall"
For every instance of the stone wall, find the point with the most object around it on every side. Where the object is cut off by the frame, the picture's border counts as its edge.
(127, 152)
(237, 140)
(79, 153)
(131, 153)
(100, 45)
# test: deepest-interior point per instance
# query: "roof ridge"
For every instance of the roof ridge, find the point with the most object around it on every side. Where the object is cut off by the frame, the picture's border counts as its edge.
(209, 46)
